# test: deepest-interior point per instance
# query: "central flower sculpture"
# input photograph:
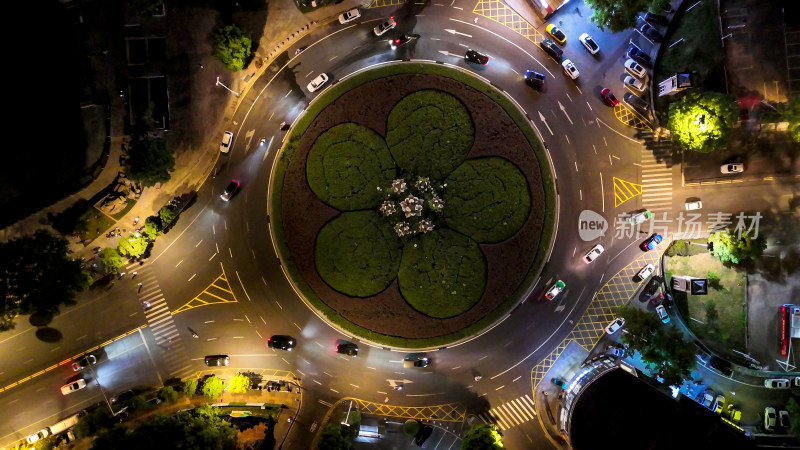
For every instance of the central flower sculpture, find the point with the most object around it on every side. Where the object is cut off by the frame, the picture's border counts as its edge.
(413, 207)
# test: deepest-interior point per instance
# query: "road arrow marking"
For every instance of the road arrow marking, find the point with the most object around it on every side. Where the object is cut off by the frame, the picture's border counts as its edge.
(560, 308)
(541, 117)
(458, 32)
(565, 112)
(446, 53)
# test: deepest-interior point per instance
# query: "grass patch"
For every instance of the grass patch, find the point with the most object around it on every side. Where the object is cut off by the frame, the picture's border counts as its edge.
(442, 274)
(358, 253)
(488, 199)
(271, 410)
(129, 202)
(429, 133)
(347, 164)
(723, 311)
(330, 95)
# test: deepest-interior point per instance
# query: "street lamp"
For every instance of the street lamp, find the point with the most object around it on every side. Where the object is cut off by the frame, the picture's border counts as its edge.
(97, 379)
(219, 83)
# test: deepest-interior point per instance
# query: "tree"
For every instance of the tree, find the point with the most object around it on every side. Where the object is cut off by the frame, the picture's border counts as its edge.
(37, 277)
(729, 247)
(168, 214)
(149, 160)
(231, 47)
(640, 326)
(411, 427)
(794, 416)
(137, 403)
(111, 259)
(190, 387)
(168, 395)
(133, 246)
(212, 387)
(482, 437)
(791, 114)
(239, 384)
(94, 421)
(152, 227)
(47, 443)
(619, 15)
(333, 438)
(703, 121)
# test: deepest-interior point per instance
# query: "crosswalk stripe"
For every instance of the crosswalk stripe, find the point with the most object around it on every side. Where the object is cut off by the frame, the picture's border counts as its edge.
(152, 295)
(517, 404)
(505, 416)
(499, 419)
(530, 408)
(511, 413)
(157, 323)
(515, 408)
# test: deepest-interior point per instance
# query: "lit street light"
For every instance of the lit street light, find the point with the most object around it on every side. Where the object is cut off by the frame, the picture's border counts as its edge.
(219, 83)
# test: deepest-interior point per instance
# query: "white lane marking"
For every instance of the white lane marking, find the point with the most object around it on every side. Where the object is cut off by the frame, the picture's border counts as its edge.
(458, 32)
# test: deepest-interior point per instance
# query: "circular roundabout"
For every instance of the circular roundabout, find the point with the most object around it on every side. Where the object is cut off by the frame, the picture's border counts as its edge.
(416, 205)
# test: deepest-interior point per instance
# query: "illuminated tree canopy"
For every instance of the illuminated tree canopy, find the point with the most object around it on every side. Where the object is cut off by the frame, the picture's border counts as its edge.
(619, 15)
(703, 121)
(729, 247)
(482, 437)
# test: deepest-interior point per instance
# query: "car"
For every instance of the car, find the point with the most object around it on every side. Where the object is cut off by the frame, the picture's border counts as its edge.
(83, 362)
(656, 19)
(777, 383)
(706, 399)
(638, 103)
(422, 435)
(650, 289)
(641, 217)
(397, 42)
(693, 205)
(281, 342)
(638, 55)
(719, 404)
(769, 418)
(416, 361)
(153, 402)
(349, 16)
(551, 49)
(650, 33)
(73, 386)
(609, 97)
(783, 419)
(556, 33)
(589, 43)
(217, 360)
(615, 325)
(570, 69)
(317, 83)
(230, 190)
(596, 251)
(735, 414)
(635, 68)
(123, 397)
(384, 26)
(476, 57)
(721, 366)
(225, 145)
(557, 288)
(633, 83)
(534, 78)
(796, 381)
(615, 350)
(732, 168)
(651, 242)
(347, 348)
(645, 272)
(41, 434)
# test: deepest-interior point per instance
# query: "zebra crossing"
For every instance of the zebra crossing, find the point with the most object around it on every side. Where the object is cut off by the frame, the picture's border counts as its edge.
(161, 324)
(510, 414)
(656, 183)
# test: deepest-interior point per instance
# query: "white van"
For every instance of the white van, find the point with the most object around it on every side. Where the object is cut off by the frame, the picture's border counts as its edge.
(52, 430)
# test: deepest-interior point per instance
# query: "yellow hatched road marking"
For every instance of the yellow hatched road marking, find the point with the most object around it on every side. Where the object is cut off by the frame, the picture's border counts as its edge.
(502, 14)
(382, 3)
(627, 117)
(219, 291)
(450, 412)
(625, 190)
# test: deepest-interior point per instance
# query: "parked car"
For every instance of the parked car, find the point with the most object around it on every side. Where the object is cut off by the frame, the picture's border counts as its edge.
(570, 69)
(769, 418)
(650, 33)
(347, 348)
(721, 366)
(534, 78)
(554, 290)
(422, 435)
(635, 68)
(317, 83)
(217, 360)
(616, 350)
(384, 26)
(796, 381)
(551, 49)
(732, 168)
(719, 404)
(633, 83)
(589, 43)
(661, 311)
(651, 242)
(225, 145)
(349, 16)
(640, 217)
(693, 205)
(656, 19)
(615, 325)
(609, 97)
(638, 103)
(230, 190)
(281, 342)
(83, 362)
(706, 399)
(476, 57)
(123, 397)
(777, 383)
(596, 251)
(638, 55)
(734, 414)
(783, 419)
(73, 386)
(650, 289)
(645, 272)
(556, 34)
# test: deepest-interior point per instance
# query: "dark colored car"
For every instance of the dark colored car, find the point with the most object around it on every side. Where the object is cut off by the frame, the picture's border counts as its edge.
(217, 360)
(651, 288)
(534, 78)
(636, 102)
(609, 97)
(422, 435)
(233, 188)
(638, 55)
(83, 362)
(347, 348)
(721, 366)
(414, 360)
(123, 397)
(651, 242)
(551, 49)
(476, 57)
(650, 32)
(282, 342)
(397, 42)
(657, 19)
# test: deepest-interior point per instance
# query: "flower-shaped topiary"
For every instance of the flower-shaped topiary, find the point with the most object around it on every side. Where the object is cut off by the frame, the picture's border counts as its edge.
(413, 207)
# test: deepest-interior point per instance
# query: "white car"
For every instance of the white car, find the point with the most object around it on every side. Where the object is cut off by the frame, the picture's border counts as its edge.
(777, 383)
(316, 83)
(349, 16)
(72, 387)
(384, 26)
(732, 168)
(661, 311)
(645, 272)
(614, 326)
(719, 404)
(635, 68)
(589, 43)
(640, 217)
(227, 138)
(634, 83)
(769, 418)
(570, 69)
(691, 206)
(41, 434)
(596, 251)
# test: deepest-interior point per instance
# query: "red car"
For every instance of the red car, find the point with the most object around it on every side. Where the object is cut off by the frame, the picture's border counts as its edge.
(608, 97)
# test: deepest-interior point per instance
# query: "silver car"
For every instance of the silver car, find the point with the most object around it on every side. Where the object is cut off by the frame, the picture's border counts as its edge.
(349, 16)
